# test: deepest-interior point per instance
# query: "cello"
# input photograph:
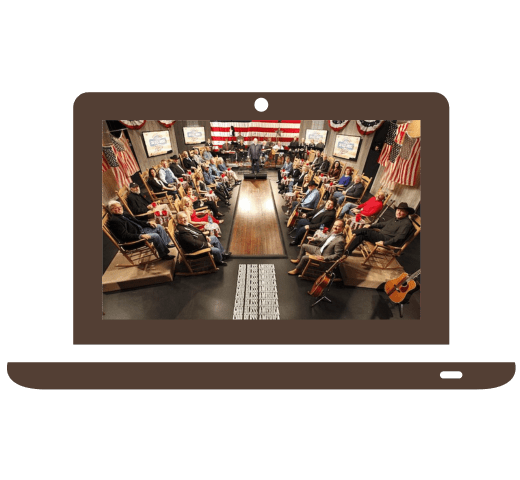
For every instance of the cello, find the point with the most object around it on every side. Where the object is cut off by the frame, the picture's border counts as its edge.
(323, 281)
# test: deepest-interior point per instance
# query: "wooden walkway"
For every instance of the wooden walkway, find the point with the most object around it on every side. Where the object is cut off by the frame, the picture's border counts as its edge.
(256, 231)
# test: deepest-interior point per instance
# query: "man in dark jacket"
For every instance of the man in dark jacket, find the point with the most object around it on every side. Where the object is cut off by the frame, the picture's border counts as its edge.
(392, 232)
(354, 190)
(313, 221)
(129, 229)
(177, 170)
(137, 202)
(191, 239)
(255, 150)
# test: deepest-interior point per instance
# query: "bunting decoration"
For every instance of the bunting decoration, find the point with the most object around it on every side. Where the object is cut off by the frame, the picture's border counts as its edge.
(166, 123)
(366, 127)
(338, 125)
(133, 124)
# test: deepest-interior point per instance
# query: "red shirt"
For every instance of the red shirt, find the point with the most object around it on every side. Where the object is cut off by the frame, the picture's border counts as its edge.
(371, 207)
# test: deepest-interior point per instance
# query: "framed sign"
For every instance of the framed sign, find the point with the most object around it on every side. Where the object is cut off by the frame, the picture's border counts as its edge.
(347, 147)
(157, 143)
(194, 135)
(316, 135)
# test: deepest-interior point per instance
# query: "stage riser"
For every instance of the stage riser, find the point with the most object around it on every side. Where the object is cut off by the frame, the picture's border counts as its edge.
(258, 176)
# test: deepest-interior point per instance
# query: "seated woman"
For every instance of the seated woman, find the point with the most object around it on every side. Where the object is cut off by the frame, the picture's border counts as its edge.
(293, 177)
(231, 175)
(196, 157)
(158, 186)
(199, 203)
(198, 219)
(335, 171)
(346, 178)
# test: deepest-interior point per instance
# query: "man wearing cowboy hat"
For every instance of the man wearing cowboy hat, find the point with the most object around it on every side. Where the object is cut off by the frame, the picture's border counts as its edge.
(392, 232)
(310, 200)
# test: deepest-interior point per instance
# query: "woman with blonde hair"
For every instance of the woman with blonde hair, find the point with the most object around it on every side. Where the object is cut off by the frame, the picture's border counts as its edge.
(198, 219)
(230, 173)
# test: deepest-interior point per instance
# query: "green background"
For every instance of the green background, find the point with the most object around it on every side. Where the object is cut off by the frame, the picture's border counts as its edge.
(52, 53)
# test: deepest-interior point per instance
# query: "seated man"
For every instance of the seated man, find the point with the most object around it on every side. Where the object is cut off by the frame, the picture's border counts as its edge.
(220, 189)
(310, 200)
(176, 167)
(137, 202)
(370, 207)
(316, 164)
(324, 166)
(191, 239)
(166, 175)
(313, 221)
(207, 154)
(129, 229)
(354, 190)
(392, 232)
(287, 166)
(328, 249)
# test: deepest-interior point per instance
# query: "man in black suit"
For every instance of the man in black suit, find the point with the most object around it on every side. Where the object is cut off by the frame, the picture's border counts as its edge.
(177, 170)
(354, 190)
(313, 221)
(129, 229)
(328, 249)
(255, 150)
(392, 232)
(137, 202)
(192, 239)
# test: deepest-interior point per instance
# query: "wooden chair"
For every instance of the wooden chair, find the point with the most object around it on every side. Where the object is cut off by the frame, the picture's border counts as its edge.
(381, 256)
(370, 219)
(122, 194)
(195, 263)
(137, 253)
(160, 197)
(315, 268)
(366, 182)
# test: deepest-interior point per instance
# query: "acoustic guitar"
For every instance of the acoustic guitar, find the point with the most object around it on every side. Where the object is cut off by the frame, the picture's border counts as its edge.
(399, 287)
(294, 216)
(323, 281)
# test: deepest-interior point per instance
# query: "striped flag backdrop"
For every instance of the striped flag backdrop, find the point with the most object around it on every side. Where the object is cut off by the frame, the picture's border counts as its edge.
(125, 158)
(392, 140)
(251, 129)
(404, 171)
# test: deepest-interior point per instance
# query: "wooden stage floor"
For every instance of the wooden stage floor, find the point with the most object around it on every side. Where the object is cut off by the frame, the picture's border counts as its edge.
(256, 229)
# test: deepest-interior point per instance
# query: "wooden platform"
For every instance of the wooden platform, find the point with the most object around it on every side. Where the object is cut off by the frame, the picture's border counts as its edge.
(256, 231)
(355, 274)
(121, 278)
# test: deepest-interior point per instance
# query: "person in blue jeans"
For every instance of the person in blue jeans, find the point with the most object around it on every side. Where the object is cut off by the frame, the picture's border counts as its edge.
(192, 239)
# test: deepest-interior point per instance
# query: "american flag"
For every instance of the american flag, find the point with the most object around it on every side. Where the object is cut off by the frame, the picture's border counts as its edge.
(404, 171)
(251, 129)
(127, 164)
(395, 136)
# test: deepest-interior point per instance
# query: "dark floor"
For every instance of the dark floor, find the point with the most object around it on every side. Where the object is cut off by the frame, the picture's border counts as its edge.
(211, 297)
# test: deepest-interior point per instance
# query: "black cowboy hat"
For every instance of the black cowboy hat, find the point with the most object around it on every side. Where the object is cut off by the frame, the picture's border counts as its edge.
(175, 157)
(404, 206)
(312, 183)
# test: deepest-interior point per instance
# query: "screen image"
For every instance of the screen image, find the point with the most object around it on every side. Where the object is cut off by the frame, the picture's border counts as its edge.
(194, 135)
(346, 146)
(157, 143)
(315, 135)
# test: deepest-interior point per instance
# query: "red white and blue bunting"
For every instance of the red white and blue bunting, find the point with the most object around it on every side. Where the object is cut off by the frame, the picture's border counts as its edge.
(338, 125)
(133, 124)
(166, 123)
(366, 127)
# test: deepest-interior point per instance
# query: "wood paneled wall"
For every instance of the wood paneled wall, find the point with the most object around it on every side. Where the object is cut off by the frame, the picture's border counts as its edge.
(136, 136)
(179, 134)
(350, 129)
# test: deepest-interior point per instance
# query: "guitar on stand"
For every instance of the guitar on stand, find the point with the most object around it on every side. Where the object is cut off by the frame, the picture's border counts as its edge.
(323, 283)
(399, 287)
